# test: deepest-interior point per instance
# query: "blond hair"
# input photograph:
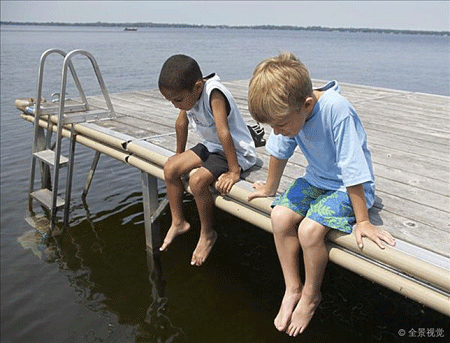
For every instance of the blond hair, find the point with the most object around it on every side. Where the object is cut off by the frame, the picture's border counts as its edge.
(278, 87)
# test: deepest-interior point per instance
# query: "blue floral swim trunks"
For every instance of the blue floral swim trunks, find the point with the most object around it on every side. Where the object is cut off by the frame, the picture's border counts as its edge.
(329, 208)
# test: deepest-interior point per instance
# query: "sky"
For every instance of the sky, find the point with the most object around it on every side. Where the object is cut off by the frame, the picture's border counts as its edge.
(400, 15)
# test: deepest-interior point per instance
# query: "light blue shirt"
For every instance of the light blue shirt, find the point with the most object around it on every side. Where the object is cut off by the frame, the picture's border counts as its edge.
(334, 143)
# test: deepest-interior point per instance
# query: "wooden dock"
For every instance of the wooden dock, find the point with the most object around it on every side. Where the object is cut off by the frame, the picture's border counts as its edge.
(409, 138)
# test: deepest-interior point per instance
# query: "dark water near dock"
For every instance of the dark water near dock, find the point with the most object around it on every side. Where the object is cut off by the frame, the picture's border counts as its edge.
(97, 283)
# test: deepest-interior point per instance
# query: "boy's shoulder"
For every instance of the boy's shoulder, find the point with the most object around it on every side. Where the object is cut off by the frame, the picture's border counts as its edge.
(213, 82)
(331, 85)
(333, 105)
(332, 96)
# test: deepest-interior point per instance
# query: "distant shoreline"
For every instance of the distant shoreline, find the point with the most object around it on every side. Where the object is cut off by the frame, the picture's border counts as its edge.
(253, 27)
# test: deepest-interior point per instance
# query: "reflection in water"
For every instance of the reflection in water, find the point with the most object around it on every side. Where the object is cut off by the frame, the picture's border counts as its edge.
(157, 324)
(95, 253)
(37, 238)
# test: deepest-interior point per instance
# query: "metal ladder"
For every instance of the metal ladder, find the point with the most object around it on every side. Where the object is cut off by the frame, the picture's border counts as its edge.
(67, 115)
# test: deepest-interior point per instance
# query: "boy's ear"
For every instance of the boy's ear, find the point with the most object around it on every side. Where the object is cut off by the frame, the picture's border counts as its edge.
(308, 101)
(198, 86)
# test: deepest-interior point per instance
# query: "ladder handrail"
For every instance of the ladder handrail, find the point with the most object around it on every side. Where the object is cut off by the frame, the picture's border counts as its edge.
(62, 120)
(37, 107)
(67, 62)
(61, 117)
(41, 80)
(41, 77)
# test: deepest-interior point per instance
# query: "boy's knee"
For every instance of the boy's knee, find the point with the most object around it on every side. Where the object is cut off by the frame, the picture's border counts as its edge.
(171, 169)
(311, 233)
(284, 219)
(198, 183)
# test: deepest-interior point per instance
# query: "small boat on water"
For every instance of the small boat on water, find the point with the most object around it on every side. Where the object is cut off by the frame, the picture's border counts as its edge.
(130, 29)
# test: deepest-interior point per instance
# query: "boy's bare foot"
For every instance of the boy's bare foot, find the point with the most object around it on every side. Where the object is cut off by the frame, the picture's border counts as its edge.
(174, 231)
(288, 303)
(204, 246)
(303, 313)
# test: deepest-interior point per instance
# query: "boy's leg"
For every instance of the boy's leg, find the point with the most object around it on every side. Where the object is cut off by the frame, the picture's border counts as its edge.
(315, 255)
(285, 224)
(175, 167)
(199, 184)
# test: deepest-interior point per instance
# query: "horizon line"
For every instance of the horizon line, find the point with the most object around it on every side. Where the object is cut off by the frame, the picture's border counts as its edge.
(267, 27)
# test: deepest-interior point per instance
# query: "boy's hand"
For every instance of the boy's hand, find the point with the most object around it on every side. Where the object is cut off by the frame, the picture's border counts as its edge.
(260, 191)
(366, 229)
(226, 181)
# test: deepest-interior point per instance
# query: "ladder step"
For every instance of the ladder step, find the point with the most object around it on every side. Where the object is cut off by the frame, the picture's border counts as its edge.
(72, 113)
(70, 106)
(48, 156)
(54, 108)
(81, 117)
(44, 196)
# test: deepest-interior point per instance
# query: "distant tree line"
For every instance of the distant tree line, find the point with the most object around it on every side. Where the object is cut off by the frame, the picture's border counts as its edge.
(255, 27)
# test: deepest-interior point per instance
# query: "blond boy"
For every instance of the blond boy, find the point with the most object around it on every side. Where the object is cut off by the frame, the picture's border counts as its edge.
(336, 190)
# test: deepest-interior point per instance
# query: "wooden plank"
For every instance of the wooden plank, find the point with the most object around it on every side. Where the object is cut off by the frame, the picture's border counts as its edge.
(410, 179)
(402, 118)
(435, 169)
(390, 140)
(152, 116)
(122, 105)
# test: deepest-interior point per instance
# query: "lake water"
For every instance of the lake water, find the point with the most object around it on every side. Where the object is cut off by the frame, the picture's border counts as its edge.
(96, 282)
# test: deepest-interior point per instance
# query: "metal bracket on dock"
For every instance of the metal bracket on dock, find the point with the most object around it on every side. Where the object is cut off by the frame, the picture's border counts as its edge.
(161, 207)
(91, 173)
(152, 209)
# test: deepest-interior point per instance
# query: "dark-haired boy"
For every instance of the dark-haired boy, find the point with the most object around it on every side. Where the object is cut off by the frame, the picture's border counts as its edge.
(226, 150)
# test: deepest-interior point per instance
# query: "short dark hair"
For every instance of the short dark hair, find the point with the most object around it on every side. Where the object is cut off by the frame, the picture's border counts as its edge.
(178, 73)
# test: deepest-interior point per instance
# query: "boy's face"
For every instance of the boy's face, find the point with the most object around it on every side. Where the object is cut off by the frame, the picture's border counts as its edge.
(292, 124)
(185, 99)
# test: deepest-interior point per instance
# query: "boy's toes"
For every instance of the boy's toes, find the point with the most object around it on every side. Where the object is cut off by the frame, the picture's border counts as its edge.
(204, 246)
(164, 246)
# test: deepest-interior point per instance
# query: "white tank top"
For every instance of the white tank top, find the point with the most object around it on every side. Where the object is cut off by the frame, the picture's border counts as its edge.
(202, 120)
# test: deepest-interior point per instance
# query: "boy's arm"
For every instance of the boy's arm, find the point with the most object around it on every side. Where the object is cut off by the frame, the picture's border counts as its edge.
(181, 130)
(364, 227)
(219, 110)
(262, 190)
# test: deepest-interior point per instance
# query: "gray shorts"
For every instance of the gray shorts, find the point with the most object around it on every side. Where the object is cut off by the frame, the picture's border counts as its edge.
(215, 162)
